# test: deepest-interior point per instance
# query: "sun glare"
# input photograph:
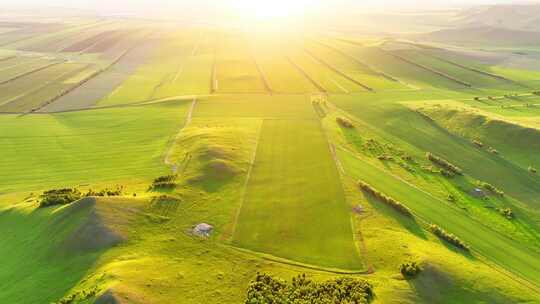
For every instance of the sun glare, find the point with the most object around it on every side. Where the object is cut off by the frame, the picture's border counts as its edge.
(260, 9)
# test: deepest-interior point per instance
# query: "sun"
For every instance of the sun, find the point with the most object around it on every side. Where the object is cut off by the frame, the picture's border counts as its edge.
(274, 9)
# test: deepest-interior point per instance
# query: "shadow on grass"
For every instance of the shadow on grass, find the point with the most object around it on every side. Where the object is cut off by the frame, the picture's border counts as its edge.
(408, 223)
(33, 259)
(433, 285)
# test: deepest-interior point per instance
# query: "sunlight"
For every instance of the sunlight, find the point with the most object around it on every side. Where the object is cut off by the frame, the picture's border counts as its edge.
(276, 9)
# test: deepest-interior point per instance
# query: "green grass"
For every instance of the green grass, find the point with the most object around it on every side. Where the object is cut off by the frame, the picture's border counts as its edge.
(352, 69)
(515, 257)
(87, 146)
(298, 188)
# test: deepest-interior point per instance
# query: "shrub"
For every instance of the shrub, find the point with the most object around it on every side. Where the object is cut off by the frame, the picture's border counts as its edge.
(269, 290)
(344, 122)
(447, 173)
(532, 169)
(490, 188)
(444, 163)
(478, 143)
(385, 157)
(59, 197)
(388, 200)
(106, 192)
(163, 182)
(506, 212)
(493, 150)
(410, 270)
(450, 238)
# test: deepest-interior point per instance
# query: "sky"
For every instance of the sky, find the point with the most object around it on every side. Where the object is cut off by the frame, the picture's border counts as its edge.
(244, 6)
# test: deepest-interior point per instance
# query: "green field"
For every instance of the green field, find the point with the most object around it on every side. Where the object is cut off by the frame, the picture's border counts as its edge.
(88, 146)
(302, 185)
(262, 129)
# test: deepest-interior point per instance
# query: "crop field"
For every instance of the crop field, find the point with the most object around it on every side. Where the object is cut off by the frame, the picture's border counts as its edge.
(214, 160)
(281, 74)
(303, 187)
(352, 68)
(235, 68)
(327, 79)
(20, 95)
(83, 147)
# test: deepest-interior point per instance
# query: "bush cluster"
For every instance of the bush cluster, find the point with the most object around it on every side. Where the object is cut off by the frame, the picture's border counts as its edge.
(62, 196)
(478, 143)
(490, 188)
(66, 196)
(344, 122)
(444, 163)
(410, 269)
(532, 169)
(506, 212)
(382, 197)
(450, 238)
(385, 157)
(265, 289)
(164, 182)
(106, 192)
(493, 150)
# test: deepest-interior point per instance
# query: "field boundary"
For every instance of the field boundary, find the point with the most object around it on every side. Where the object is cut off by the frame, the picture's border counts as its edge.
(336, 70)
(429, 69)
(39, 69)
(359, 62)
(167, 161)
(272, 258)
(246, 182)
(262, 74)
(478, 71)
(307, 76)
(37, 89)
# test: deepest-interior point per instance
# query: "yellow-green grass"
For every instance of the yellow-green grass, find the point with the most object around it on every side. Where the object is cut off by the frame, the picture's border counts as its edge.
(255, 105)
(48, 91)
(514, 142)
(122, 144)
(331, 81)
(294, 206)
(400, 69)
(283, 77)
(38, 267)
(498, 248)
(13, 93)
(353, 69)
(476, 79)
(148, 81)
(235, 68)
(192, 77)
(402, 125)
(21, 65)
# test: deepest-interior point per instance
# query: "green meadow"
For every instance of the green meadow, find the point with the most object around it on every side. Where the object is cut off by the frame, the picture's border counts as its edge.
(264, 136)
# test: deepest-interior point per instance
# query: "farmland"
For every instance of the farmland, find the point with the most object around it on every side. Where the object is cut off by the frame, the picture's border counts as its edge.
(327, 153)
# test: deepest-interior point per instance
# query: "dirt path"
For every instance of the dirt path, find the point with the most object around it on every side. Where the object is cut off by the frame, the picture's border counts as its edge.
(167, 159)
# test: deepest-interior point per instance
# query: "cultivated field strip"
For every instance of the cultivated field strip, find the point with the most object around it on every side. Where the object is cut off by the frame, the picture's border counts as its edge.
(368, 68)
(89, 146)
(294, 205)
(235, 70)
(307, 76)
(427, 68)
(333, 68)
(27, 69)
(45, 92)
